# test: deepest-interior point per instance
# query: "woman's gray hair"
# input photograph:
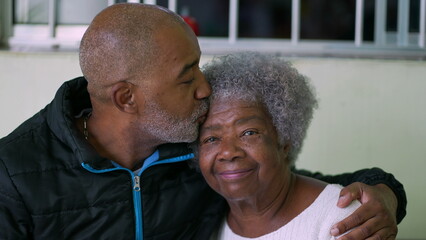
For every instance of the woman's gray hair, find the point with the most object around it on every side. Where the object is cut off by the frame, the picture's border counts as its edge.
(272, 82)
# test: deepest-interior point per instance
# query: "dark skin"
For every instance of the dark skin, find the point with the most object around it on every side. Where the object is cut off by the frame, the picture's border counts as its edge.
(381, 221)
(117, 126)
(223, 138)
(117, 121)
(241, 158)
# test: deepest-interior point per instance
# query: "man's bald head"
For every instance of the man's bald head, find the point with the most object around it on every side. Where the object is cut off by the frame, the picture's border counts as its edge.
(120, 44)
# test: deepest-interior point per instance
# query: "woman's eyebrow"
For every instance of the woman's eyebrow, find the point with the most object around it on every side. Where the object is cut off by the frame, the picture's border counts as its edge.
(213, 127)
(248, 119)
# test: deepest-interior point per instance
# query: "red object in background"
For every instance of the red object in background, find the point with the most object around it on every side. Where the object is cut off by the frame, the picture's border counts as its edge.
(192, 23)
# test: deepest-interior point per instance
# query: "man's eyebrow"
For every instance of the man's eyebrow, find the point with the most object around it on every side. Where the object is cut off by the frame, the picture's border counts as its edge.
(187, 67)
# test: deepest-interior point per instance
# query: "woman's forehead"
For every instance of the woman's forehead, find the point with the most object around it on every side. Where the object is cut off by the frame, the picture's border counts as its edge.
(239, 111)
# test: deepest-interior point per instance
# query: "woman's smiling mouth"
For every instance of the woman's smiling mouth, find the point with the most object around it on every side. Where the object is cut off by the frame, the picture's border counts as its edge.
(235, 174)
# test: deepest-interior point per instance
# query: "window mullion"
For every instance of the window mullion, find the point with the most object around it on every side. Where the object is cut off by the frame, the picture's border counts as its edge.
(403, 16)
(6, 21)
(295, 22)
(173, 5)
(52, 18)
(380, 22)
(359, 19)
(233, 21)
(422, 23)
(25, 10)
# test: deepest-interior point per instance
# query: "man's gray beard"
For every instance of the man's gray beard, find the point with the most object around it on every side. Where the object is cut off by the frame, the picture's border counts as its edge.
(171, 129)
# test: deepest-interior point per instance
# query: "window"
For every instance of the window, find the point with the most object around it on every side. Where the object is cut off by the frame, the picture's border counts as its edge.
(66, 12)
(392, 27)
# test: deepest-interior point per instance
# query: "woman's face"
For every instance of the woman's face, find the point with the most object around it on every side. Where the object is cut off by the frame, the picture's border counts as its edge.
(240, 156)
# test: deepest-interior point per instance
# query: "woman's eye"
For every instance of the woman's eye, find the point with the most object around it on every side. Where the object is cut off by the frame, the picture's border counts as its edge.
(249, 133)
(209, 139)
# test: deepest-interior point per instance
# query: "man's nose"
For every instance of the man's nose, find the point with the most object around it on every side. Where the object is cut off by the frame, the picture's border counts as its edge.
(203, 89)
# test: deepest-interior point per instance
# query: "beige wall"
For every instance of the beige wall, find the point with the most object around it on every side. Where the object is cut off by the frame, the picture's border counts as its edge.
(371, 113)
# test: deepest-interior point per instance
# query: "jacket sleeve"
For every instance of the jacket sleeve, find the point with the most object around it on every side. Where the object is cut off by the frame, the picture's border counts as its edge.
(14, 218)
(371, 176)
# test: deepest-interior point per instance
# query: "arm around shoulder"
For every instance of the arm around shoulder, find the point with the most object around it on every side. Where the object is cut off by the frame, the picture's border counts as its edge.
(372, 176)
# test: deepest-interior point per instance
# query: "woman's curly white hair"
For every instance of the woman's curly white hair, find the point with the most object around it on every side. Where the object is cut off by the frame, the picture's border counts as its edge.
(272, 82)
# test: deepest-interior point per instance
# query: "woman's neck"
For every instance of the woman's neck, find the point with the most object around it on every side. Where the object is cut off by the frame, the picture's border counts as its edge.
(263, 214)
(249, 219)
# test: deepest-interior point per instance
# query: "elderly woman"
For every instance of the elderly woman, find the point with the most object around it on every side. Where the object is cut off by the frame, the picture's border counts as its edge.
(260, 110)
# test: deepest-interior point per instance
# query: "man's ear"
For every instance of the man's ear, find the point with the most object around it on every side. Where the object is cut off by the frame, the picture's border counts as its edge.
(123, 97)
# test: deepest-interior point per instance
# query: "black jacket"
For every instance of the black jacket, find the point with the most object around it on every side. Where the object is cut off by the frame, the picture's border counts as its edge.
(54, 186)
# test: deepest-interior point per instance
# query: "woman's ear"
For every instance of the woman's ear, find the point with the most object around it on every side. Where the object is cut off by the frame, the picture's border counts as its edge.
(123, 97)
(285, 149)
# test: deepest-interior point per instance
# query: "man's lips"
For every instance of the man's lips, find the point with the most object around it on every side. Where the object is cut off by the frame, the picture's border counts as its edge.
(235, 174)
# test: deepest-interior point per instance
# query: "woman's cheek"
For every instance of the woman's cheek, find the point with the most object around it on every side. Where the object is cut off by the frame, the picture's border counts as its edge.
(205, 156)
(207, 150)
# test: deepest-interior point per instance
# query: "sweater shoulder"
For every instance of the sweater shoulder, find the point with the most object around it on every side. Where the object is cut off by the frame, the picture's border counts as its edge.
(328, 212)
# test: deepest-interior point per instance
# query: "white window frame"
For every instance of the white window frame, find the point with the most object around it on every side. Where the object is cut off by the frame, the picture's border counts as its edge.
(400, 44)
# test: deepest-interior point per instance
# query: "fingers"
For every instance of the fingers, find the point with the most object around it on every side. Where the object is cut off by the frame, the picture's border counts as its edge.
(360, 234)
(349, 193)
(355, 219)
(382, 235)
(372, 220)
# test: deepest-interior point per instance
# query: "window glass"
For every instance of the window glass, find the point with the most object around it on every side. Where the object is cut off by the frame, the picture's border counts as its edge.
(264, 19)
(319, 19)
(414, 16)
(392, 16)
(327, 19)
(163, 3)
(335, 19)
(31, 11)
(368, 27)
(210, 17)
(79, 11)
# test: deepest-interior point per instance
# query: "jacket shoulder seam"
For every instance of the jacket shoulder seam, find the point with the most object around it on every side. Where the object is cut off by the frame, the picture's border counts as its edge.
(5, 194)
(45, 170)
(70, 211)
(29, 131)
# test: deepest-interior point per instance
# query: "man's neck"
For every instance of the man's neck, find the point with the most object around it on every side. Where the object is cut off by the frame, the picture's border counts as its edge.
(116, 142)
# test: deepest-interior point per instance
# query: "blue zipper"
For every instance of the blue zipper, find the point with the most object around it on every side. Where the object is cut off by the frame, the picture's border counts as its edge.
(136, 195)
(137, 198)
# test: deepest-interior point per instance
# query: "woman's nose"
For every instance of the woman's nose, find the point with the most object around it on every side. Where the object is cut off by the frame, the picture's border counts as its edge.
(230, 150)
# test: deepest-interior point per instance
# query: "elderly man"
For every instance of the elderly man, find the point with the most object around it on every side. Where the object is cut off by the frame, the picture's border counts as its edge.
(104, 160)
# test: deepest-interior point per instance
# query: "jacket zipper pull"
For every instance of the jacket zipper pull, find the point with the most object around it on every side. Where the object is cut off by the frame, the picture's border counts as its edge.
(137, 186)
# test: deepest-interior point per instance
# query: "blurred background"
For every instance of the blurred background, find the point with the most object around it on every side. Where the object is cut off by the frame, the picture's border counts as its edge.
(366, 59)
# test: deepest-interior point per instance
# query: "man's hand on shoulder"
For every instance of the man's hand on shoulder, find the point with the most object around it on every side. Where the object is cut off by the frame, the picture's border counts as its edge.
(375, 219)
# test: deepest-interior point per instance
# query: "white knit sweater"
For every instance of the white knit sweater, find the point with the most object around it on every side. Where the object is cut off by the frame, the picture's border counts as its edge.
(313, 223)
